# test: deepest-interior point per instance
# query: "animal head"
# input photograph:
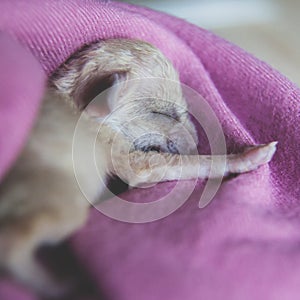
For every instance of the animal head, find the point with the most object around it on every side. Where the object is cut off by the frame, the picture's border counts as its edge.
(135, 88)
(151, 119)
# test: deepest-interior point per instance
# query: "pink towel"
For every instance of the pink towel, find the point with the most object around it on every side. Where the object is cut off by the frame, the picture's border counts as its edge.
(246, 243)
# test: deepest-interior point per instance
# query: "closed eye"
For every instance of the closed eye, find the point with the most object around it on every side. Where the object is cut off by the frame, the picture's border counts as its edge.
(171, 116)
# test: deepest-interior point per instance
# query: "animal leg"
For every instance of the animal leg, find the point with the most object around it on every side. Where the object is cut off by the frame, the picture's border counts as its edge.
(151, 167)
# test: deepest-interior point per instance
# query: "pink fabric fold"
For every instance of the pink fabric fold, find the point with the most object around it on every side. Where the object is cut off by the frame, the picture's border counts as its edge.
(21, 88)
(245, 244)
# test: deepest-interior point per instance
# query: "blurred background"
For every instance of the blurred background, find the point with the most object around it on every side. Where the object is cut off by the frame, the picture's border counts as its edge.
(266, 28)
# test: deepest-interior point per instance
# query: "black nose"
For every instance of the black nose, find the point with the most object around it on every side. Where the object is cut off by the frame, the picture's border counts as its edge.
(171, 147)
(151, 148)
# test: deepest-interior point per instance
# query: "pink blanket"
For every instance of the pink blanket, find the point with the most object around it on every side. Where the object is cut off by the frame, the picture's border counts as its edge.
(246, 243)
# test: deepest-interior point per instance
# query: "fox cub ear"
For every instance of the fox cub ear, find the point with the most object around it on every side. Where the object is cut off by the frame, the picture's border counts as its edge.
(99, 96)
(96, 93)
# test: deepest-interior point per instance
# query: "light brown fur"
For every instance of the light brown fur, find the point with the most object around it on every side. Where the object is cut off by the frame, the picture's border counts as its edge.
(40, 201)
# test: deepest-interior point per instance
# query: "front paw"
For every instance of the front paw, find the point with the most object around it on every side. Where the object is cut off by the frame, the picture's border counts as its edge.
(252, 158)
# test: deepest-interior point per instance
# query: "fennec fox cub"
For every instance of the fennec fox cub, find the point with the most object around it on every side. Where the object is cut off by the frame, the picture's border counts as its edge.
(40, 201)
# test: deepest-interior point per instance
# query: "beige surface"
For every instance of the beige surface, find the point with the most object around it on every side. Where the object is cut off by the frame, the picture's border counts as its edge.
(276, 42)
(266, 28)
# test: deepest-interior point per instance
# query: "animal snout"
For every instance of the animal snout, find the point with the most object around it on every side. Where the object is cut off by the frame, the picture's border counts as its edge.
(156, 143)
